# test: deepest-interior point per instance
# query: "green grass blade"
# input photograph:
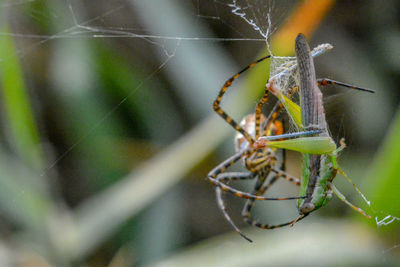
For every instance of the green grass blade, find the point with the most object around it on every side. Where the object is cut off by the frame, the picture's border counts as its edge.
(383, 177)
(23, 133)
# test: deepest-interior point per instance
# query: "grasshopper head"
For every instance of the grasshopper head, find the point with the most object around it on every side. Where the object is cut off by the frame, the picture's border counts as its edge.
(306, 208)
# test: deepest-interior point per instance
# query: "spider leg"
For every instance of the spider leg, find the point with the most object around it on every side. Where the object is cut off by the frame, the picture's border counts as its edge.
(222, 207)
(260, 189)
(261, 163)
(235, 176)
(268, 226)
(231, 176)
(287, 177)
(222, 113)
(227, 177)
(259, 106)
(272, 115)
(213, 178)
(246, 215)
(325, 81)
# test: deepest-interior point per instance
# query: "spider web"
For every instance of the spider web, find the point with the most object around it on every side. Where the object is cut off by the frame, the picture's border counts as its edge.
(260, 19)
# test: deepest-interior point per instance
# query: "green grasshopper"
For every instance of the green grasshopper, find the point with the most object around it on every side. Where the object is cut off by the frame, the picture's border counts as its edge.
(319, 152)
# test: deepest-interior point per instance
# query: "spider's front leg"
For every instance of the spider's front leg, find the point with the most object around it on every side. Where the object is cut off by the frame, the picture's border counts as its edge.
(217, 107)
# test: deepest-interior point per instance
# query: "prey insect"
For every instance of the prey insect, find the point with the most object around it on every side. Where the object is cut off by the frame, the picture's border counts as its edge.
(319, 166)
(256, 145)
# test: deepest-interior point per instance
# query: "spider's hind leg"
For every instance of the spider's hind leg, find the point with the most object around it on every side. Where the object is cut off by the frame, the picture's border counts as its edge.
(260, 189)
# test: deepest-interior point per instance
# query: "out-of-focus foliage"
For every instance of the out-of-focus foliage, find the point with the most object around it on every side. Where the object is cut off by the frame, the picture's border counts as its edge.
(383, 191)
(107, 130)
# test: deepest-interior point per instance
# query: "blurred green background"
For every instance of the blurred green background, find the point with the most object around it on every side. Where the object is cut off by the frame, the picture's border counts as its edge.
(108, 133)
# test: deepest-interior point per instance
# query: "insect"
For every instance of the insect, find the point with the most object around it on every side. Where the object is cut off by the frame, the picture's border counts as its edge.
(256, 144)
(320, 166)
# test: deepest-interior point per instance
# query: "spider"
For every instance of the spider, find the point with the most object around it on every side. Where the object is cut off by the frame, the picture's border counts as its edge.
(260, 163)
